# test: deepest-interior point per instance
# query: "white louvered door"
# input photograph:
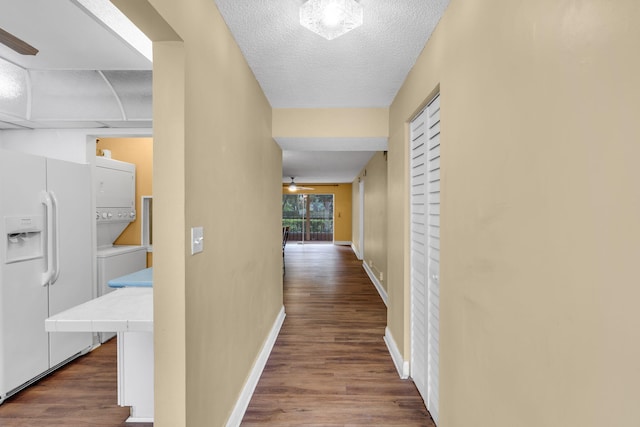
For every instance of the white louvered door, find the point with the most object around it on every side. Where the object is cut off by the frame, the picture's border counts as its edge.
(425, 253)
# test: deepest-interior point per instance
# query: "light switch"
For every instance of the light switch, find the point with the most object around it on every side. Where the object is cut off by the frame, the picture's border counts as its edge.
(197, 240)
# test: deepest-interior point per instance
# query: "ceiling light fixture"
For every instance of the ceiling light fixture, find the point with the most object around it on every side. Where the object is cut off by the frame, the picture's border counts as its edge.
(292, 186)
(331, 18)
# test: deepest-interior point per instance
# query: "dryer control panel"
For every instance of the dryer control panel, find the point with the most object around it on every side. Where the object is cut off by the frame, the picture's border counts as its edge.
(115, 214)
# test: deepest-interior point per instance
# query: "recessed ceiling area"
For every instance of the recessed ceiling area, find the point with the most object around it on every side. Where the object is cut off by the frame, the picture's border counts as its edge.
(327, 160)
(322, 167)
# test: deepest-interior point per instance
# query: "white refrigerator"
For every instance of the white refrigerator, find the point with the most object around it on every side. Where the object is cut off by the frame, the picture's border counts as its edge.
(45, 263)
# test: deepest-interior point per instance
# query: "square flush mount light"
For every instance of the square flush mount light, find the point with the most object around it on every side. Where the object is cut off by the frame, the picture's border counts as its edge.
(331, 18)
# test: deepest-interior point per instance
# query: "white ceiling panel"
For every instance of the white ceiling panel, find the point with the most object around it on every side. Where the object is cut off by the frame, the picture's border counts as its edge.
(133, 89)
(72, 95)
(66, 36)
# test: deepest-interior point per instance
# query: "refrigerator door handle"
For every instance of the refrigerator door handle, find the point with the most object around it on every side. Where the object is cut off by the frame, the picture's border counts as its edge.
(56, 237)
(45, 199)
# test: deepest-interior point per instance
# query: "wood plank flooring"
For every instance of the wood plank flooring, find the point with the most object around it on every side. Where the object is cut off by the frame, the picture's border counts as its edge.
(81, 394)
(330, 365)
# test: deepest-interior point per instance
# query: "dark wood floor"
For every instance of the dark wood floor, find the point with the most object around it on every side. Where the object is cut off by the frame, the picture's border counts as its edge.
(81, 394)
(330, 365)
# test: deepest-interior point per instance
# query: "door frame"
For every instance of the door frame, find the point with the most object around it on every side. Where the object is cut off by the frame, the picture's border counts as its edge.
(361, 220)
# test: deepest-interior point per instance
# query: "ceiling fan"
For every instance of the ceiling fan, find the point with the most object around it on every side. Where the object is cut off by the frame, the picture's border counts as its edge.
(293, 187)
(20, 46)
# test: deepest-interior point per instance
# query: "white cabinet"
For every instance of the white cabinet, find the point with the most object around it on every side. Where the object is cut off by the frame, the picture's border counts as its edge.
(129, 313)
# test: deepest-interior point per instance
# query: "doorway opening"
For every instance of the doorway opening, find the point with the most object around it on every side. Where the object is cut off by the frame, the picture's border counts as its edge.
(308, 216)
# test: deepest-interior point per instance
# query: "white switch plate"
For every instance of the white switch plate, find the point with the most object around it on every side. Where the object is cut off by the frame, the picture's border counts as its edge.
(197, 240)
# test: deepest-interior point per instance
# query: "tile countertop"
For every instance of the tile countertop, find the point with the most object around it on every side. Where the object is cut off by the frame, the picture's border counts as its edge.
(123, 310)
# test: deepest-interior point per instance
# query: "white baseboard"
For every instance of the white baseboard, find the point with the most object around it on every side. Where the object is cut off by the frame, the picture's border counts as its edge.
(376, 283)
(249, 387)
(355, 251)
(341, 243)
(138, 420)
(401, 365)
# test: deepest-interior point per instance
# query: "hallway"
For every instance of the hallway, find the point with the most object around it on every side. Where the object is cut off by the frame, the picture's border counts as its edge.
(330, 365)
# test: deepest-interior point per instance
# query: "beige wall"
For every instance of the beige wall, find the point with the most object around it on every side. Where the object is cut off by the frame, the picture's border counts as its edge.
(540, 211)
(374, 176)
(355, 217)
(170, 245)
(539, 205)
(331, 122)
(420, 86)
(215, 310)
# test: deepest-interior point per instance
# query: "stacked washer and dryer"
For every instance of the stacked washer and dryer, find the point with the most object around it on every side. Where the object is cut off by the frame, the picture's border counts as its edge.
(115, 191)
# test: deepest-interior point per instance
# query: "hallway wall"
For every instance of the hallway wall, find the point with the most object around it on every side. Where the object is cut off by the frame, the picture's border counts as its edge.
(540, 207)
(374, 175)
(213, 310)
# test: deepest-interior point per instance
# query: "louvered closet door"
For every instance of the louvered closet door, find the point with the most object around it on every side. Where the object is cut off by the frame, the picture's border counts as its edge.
(425, 253)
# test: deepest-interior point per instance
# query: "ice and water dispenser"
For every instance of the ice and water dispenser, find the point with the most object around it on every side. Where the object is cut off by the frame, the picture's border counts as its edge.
(24, 238)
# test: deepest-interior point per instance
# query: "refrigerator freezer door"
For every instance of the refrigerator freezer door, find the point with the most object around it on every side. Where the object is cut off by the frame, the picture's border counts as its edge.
(70, 185)
(23, 299)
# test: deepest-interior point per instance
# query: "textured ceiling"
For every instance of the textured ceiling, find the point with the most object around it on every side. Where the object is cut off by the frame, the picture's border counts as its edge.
(299, 69)
(363, 68)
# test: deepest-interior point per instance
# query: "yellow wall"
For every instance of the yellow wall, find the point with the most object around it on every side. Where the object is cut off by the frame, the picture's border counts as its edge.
(214, 310)
(138, 151)
(374, 176)
(540, 209)
(341, 207)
